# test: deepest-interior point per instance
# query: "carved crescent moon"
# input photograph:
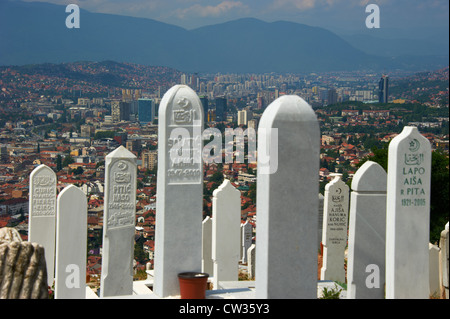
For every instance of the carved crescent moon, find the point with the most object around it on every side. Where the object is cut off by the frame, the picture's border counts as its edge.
(414, 145)
(183, 102)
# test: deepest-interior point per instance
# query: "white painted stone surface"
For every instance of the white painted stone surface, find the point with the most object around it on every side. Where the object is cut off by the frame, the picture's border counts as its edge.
(443, 262)
(287, 201)
(434, 271)
(367, 233)
(247, 235)
(207, 262)
(320, 222)
(179, 202)
(118, 223)
(240, 242)
(334, 235)
(71, 241)
(251, 253)
(226, 205)
(408, 216)
(42, 214)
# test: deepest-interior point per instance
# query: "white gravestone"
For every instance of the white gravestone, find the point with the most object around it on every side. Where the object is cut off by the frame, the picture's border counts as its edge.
(240, 243)
(251, 261)
(408, 216)
(287, 201)
(179, 200)
(207, 262)
(118, 223)
(42, 214)
(320, 222)
(443, 262)
(435, 290)
(367, 233)
(71, 241)
(225, 235)
(247, 235)
(334, 234)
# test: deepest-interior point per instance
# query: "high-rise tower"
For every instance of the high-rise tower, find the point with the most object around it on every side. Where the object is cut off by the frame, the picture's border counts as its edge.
(146, 110)
(383, 89)
(221, 109)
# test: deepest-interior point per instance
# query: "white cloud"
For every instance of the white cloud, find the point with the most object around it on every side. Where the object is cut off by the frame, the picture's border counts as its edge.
(211, 11)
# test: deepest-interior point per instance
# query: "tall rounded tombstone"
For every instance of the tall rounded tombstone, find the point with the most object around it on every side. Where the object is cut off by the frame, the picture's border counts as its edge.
(179, 199)
(71, 244)
(42, 214)
(334, 233)
(408, 215)
(287, 202)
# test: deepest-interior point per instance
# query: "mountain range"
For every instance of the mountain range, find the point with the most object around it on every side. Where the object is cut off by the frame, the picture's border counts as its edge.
(35, 32)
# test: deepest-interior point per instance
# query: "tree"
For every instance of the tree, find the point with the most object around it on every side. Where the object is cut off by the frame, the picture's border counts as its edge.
(217, 177)
(251, 193)
(380, 156)
(439, 194)
(78, 171)
(439, 197)
(59, 165)
(67, 160)
(139, 253)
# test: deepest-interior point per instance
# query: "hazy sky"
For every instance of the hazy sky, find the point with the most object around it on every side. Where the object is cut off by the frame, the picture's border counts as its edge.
(337, 15)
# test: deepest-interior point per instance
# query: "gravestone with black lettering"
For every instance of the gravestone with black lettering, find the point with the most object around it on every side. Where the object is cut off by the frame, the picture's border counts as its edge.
(42, 214)
(367, 233)
(334, 234)
(118, 223)
(71, 241)
(287, 201)
(408, 215)
(179, 199)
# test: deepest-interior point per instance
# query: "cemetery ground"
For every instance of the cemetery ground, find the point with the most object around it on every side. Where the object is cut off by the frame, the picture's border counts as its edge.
(370, 237)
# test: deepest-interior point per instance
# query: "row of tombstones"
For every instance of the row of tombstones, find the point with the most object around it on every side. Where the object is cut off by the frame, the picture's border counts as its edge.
(388, 228)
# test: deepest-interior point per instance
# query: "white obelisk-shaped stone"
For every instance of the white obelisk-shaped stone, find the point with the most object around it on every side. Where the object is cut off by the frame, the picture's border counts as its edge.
(443, 262)
(367, 233)
(408, 216)
(42, 214)
(118, 223)
(71, 241)
(287, 202)
(225, 234)
(179, 201)
(207, 262)
(247, 240)
(334, 234)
